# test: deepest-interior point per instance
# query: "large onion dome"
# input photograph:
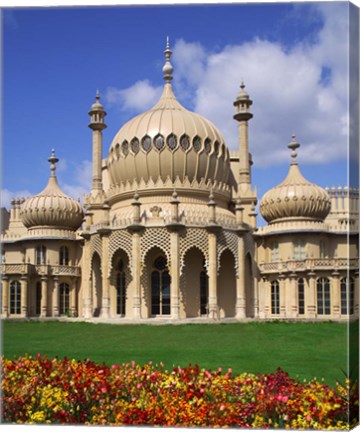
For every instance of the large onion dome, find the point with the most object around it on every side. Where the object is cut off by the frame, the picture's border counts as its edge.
(168, 143)
(51, 208)
(295, 198)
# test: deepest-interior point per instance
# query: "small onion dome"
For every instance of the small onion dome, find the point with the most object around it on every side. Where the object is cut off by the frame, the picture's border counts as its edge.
(295, 198)
(168, 142)
(97, 106)
(51, 208)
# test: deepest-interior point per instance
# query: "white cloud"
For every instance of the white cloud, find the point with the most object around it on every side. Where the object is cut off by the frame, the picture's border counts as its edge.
(6, 196)
(140, 96)
(286, 86)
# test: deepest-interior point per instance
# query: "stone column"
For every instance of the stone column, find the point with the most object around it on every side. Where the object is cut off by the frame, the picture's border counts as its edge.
(293, 294)
(136, 257)
(24, 296)
(87, 283)
(105, 306)
(5, 297)
(213, 305)
(282, 296)
(335, 294)
(310, 296)
(267, 297)
(175, 275)
(356, 293)
(73, 312)
(240, 281)
(44, 286)
(55, 301)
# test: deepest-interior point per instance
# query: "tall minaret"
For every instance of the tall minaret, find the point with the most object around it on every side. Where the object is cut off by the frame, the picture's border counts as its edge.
(243, 115)
(245, 193)
(97, 124)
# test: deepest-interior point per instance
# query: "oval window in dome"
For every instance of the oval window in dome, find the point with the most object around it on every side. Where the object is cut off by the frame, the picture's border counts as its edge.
(135, 145)
(159, 142)
(117, 150)
(125, 148)
(184, 142)
(146, 143)
(197, 144)
(216, 147)
(207, 145)
(171, 141)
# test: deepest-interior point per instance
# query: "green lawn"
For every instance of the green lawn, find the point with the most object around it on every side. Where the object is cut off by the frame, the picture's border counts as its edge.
(305, 350)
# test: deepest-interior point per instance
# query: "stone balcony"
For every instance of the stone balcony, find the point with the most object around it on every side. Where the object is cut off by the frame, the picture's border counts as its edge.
(309, 264)
(46, 270)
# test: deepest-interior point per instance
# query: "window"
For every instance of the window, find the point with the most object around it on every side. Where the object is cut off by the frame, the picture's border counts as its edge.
(274, 251)
(299, 250)
(207, 145)
(322, 249)
(347, 288)
(38, 298)
(146, 143)
(125, 148)
(64, 256)
(184, 142)
(204, 292)
(160, 288)
(135, 145)
(40, 255)
(159, 142)
(120, 289)
(171, 141)
(197, 143)
(275, 298)
(15, 297)
(301, 296)
(64, 299)
(323, 296)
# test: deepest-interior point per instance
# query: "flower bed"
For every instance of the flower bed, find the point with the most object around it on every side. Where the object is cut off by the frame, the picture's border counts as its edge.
(41, 390)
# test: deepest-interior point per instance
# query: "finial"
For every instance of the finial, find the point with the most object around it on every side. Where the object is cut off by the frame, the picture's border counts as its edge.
(293, 146)
(53, 160)
(167, 69)
(97, 97)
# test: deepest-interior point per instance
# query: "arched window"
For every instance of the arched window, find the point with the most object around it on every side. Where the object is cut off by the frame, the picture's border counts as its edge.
(120, 289)
(204, 292)
(40, 255)
(15, 297)
(299, 249)
(38, 298)
(275, 298)
(347, 296)
(274, 251)
(323, 296)
(64, 299)
(160, 288)
(64, 256)
(301, 296)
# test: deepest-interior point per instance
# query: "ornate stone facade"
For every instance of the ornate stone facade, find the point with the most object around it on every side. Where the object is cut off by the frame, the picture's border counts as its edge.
(168, 230)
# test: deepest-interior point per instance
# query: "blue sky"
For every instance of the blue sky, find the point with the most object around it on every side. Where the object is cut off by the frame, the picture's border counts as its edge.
(292, 57)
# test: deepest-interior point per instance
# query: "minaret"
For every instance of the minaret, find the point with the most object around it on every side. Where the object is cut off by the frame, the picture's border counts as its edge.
(243, 115)
(245, 193)
(97, 124)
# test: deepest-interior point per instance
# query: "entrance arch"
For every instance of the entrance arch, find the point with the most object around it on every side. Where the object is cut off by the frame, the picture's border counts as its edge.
(120, 278)
(194, 285)
(226, 285)
(249, 286)
(96, 281)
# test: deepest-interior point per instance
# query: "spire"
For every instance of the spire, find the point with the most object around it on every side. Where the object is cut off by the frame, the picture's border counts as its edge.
(53, 160)
(293, 146)
(167, 69)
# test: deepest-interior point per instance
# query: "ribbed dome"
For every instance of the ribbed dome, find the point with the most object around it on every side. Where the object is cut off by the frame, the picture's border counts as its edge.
(167, 142)
(295, 198)
(51, 207)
